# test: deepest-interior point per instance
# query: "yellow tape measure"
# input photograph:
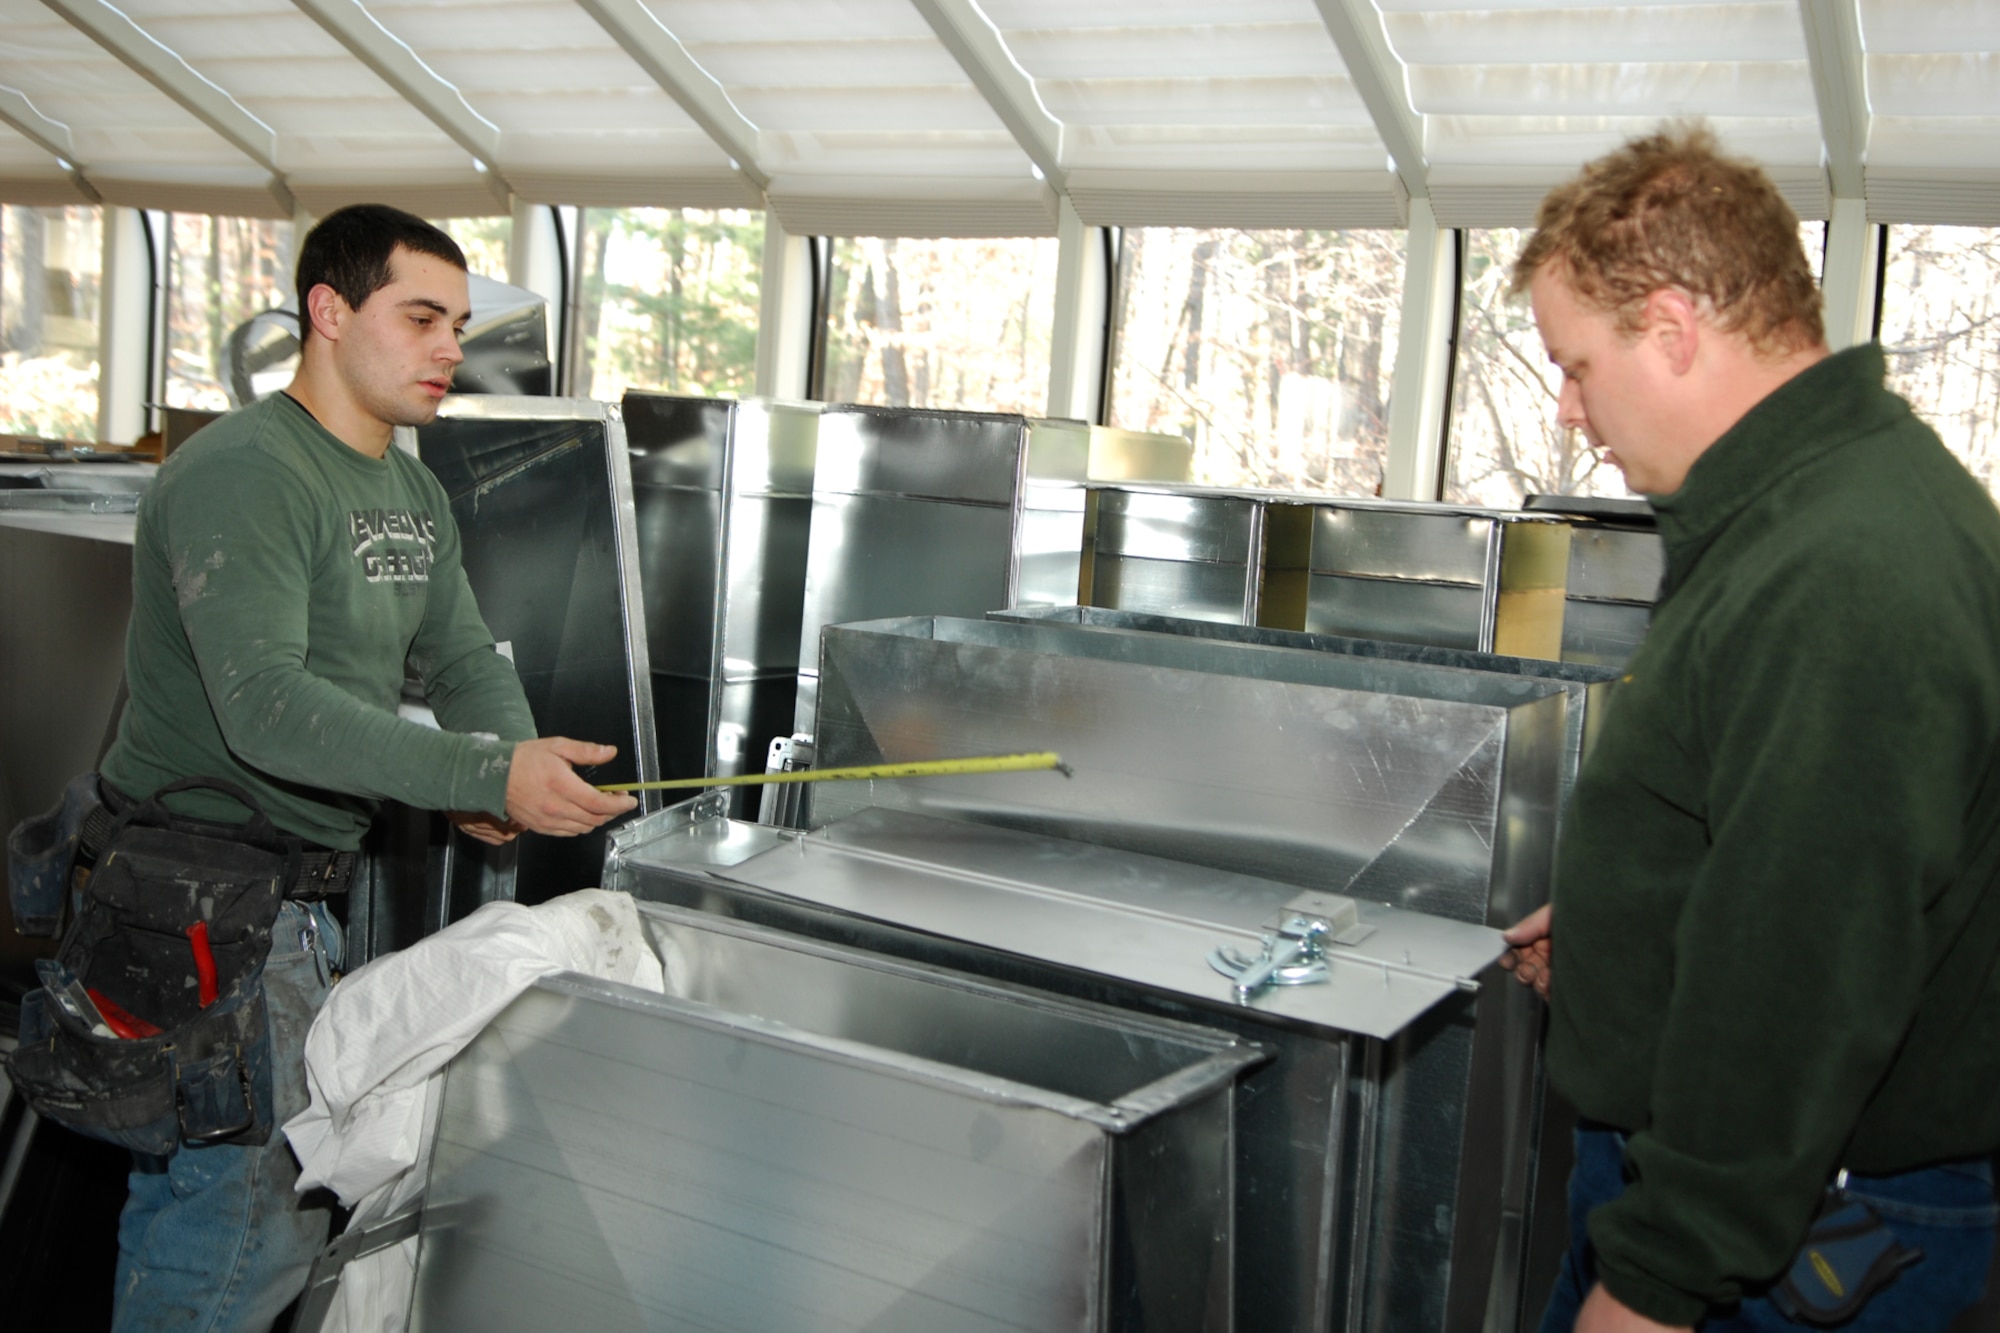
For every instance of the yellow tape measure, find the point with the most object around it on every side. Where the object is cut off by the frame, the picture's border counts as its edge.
(923, 768)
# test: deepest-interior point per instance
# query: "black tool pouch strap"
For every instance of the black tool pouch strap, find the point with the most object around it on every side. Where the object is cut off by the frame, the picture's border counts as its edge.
(320, 872)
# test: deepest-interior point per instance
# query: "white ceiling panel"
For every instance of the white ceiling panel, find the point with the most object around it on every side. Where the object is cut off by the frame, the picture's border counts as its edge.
(567, 100)
(1169, 107)
(332, 114)
(846, 111)
(1568, 36)
(1933, 91)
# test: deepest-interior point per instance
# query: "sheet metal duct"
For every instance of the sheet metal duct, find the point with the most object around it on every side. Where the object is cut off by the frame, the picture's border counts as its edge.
(1533, 1231)
(938, 513)
(804, 1137)
(65, 598)
(1316, 1135)
(1588, 686)
(1184, 553)
(1615, 572)
(1523, 584)
(724, 502)
(1484, 580)
(1405, 785)
(542, 492)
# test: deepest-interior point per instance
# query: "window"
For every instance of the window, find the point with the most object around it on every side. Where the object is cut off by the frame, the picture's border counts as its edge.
(1939, 318)
(941, 323)
(667, 300)
(220, 272)
(50, 260)
(1504, 443)
(1272, 351)
(485, 242)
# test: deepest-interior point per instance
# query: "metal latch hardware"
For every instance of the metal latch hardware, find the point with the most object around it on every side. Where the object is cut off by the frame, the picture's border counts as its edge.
(1294, 952)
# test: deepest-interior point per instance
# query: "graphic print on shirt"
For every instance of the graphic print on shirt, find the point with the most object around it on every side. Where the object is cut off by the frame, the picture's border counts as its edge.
(393, 546)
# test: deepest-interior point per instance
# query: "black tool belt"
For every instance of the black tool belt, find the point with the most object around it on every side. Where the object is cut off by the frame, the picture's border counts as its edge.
(322, 873)
(150, 1027)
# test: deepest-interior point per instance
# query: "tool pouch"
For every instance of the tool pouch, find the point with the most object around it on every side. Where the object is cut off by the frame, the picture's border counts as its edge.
(41, 858)
(205, 1077)
(1849, 1254)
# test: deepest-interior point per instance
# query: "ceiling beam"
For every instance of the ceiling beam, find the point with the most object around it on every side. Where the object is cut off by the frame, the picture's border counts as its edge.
(980, 51)
(165, 70)
(1833, 49)
(1356, 29)
(422, 87)
(682, 78)
(51, 136)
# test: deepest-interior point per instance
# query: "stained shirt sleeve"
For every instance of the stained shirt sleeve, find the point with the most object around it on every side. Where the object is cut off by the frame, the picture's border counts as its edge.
(241, 549)
(1834, 803)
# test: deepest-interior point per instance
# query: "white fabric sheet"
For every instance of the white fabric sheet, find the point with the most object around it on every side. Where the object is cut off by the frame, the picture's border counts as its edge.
(375, 1056)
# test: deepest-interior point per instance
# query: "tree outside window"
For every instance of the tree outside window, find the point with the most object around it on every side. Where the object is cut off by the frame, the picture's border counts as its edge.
(1941, 336)
(952, 323)
(50, 260)
(1272, 351)
(220, 272)
(667, 301)
(1504, 443)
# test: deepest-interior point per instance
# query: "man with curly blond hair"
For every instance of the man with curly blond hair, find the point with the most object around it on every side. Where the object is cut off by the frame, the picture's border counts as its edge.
(1775, 907)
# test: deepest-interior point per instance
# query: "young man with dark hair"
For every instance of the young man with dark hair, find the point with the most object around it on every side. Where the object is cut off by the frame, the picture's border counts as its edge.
(1775, 904)
(288, 565)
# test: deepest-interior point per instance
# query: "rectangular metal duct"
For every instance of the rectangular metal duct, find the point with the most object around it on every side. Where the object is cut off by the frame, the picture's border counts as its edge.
(723, 492)
(1484, 580)
(1521, 584)
(1176, 553)
(1394, 782)
(1614, 579)
(1588, 686)
(803, 1138)
(1533, 1184)
(542, 493)
(1315, 769)
(937, 513)
(1324, 1152)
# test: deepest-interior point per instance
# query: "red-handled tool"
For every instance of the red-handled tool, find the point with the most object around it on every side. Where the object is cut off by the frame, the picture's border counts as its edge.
(122, 1021)
(204, 963)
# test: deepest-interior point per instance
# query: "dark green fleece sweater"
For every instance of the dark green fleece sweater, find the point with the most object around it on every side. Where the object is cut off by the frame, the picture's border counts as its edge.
(280, 583)
(1777, 926)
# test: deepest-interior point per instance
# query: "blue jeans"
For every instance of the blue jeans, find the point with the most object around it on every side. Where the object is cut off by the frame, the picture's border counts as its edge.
(1947, 1211)
(213, 1238)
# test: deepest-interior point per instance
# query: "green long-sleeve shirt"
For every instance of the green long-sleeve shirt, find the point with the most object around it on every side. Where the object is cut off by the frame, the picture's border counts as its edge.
(281, 581)
(1777, 926)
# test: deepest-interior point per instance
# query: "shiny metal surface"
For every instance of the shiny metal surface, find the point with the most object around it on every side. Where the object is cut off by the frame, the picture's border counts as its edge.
(118, 477)
(1484, 580)
(1394, 782)
(1614, 579)
(1302, 1121)
(805, 1137)
(1531, 1191)
(65, 598)
(724, 500)
(1437, 547)
(541, 490)
(1302, 767)
(35, 500)
(1138, 919)
(1616, 564)
(936, 513)
(1183, 552)
(1309, 1146)
(1588, 686)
